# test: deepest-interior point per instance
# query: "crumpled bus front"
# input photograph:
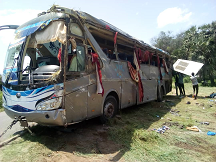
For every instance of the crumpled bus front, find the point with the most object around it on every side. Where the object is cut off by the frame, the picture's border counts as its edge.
(42, 105)
(32, 78)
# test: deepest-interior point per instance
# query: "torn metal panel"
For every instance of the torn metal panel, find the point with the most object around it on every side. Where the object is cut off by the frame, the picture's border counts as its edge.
(150, 90)
(128, 93)
(76, 84)
(76, 105)
(95, 101)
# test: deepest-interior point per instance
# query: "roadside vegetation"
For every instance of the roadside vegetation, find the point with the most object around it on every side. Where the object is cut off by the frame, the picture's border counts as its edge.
(198, 43)
(130, 136)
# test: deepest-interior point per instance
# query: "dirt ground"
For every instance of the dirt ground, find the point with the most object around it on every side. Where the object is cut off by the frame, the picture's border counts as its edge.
(87, 141)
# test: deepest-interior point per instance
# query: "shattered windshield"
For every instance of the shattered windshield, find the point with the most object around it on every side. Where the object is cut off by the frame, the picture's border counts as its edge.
(10, 65)
(13, 53)
(40, 58)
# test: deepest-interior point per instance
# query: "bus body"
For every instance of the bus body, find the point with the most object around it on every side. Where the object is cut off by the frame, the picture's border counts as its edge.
(67, 66)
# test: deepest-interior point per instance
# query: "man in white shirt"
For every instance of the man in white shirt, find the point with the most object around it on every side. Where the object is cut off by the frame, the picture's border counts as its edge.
(195, 85)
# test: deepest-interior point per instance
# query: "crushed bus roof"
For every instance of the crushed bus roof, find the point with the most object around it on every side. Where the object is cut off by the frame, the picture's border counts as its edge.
(92, 21)
(87, 18)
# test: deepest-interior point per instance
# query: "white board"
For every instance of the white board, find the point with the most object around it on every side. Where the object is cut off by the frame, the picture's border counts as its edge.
(187, 67)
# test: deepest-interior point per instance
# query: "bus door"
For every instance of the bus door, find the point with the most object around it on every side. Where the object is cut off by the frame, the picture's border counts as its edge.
(128, 86)
(154, 77)
(149, 84)
(76, 86)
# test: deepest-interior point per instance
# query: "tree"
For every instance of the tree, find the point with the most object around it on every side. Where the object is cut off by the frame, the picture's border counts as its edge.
(197, 44)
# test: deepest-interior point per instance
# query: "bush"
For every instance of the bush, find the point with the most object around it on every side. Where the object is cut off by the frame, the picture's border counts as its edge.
(187, 79)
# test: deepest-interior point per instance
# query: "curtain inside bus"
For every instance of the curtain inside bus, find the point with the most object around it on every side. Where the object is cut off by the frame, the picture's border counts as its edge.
(55, 31)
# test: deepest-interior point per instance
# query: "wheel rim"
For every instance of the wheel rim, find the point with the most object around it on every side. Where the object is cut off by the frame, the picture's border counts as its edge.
(109, 110)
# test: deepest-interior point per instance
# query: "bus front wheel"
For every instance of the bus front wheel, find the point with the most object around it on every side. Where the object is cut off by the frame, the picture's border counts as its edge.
(109, 109)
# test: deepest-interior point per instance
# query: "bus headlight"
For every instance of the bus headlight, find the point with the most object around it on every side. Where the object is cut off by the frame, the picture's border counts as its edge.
(50, 104)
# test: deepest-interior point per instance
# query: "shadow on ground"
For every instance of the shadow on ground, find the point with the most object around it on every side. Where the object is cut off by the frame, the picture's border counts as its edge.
(91, 137)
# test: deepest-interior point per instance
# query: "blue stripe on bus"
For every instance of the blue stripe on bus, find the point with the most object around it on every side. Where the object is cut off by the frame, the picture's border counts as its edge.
(19, 108)
(41, 93)
(27, 30)
(23, 93)
(9, 70)
(27, 93)
(43, 89)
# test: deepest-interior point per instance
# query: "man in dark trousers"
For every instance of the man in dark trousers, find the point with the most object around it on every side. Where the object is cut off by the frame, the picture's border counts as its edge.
(181, 84)
(195, 85)
(176, 82)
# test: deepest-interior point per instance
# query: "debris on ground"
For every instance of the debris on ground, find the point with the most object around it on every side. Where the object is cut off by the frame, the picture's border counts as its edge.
(188, 102)
(211, 100)
(181, 126)
(162, 130)
(194, 128)
(211, 133)
(174, 112)
(207, 123)
(169, 119)
(171, 123)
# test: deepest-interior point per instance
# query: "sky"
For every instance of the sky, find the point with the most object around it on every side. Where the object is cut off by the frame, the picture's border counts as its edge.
(143, 19)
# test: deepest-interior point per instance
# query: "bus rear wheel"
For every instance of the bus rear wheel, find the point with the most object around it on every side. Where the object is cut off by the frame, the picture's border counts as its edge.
(109, 109)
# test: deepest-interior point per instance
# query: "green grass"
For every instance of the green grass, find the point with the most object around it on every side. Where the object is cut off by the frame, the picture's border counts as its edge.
(131, 137)
(176, 144)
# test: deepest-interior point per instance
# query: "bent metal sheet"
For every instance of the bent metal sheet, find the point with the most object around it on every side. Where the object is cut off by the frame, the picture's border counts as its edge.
(187, 67)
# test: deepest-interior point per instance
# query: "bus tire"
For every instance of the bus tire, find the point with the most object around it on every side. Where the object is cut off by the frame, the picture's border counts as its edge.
(109, 109)
(160, 95)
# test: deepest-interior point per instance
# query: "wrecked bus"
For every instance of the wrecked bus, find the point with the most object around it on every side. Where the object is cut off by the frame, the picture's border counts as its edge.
(67, 66)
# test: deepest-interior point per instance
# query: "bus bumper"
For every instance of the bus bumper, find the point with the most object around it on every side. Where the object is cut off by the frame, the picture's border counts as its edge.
(52, 117)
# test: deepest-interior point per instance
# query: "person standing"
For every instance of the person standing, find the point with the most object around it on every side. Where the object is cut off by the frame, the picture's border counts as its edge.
(176, 82)
(195, 85)
(181, 84)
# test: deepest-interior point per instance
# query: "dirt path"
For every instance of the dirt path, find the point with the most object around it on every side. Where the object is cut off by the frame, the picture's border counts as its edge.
(5, 121)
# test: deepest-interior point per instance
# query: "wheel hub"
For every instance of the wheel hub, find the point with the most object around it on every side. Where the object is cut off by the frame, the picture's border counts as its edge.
(109, 110)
